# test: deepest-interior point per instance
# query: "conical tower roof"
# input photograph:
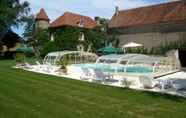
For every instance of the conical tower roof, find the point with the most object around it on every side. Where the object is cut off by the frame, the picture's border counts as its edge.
(42, 15)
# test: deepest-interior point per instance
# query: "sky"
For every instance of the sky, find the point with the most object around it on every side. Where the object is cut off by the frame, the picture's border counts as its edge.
(92, 8)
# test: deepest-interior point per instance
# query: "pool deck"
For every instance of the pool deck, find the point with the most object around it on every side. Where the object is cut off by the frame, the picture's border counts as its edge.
(159, 75)
(132, 77)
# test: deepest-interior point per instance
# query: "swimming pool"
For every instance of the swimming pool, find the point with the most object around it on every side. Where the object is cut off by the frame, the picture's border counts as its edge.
(115, 68)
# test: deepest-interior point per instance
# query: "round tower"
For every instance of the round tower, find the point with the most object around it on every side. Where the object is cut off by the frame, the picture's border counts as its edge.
(42, 20)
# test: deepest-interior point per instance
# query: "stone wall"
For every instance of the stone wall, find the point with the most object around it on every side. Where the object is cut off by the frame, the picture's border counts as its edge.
(42, 24)
(150, 40)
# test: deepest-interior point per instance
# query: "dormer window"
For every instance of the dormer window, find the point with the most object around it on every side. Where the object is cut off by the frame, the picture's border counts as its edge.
(80, 23)
(52, 37)
(82, 37)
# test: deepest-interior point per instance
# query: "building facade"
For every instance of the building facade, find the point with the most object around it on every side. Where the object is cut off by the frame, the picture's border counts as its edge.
(151, 26)
(68, 19)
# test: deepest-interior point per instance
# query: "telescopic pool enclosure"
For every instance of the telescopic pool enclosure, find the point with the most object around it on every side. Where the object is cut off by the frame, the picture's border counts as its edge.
(140, 60)
(72, 57)
(116, 61)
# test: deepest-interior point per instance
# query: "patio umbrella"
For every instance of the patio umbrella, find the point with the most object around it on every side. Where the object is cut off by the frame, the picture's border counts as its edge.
(20, 56)
(131, 45)
(110, 50)
(24, 49)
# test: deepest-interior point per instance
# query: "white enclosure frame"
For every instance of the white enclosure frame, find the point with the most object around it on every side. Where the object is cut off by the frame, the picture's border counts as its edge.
(156, 63)
(78, 56)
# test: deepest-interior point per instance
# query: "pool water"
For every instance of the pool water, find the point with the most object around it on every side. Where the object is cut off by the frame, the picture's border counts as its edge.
(111, 68)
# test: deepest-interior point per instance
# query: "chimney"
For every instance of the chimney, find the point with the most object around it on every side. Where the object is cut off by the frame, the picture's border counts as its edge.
(116, 10)
(97, 19)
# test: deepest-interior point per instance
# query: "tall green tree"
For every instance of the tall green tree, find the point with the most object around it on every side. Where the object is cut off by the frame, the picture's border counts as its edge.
(96, 38)
(12, 13)
(40, 40)
(29, 27)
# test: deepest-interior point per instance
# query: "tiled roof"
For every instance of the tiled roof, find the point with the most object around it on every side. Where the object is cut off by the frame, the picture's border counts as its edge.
(72, 19)
(42, 15)
(168, 12)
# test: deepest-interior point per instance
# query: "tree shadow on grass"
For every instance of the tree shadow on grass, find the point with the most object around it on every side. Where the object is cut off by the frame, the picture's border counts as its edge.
(157, 95)
(165, 96)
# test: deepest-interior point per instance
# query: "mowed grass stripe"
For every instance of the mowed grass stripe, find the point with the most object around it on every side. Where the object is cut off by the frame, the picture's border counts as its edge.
(73, 87)
(62, 86)
(75, 100)
(13, 105)
(74, 93)
(46, 99)
(46, 96)
(101, 100)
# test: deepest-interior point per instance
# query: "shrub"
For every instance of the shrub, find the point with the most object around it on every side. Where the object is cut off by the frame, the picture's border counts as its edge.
(167, 46)
(161, 49)
(47, 48)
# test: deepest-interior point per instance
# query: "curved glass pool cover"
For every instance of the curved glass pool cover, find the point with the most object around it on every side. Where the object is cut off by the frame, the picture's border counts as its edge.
(115, 68)
(137, 62)
(127, 59)
(73, 57)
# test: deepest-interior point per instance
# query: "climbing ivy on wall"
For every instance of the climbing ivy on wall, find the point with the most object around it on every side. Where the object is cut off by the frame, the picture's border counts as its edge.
(162, 49)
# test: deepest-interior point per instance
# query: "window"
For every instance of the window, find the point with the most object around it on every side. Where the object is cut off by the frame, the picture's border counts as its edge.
(80, 23)
(81, 37)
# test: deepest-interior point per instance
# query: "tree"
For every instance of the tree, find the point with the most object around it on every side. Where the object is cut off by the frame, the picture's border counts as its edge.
(67, 38)
(114, 40)
(95, 38)
(10, 39)
(12, 13)
(48, 47)
(29, 27)
(40, 39)
(1, 46)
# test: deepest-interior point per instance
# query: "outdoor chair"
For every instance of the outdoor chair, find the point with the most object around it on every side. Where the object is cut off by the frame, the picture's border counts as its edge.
(50, 68)
(27, 66)
(110, 81)
(166, 84)
(38, 63)
(40, 66)
(149, 82)
(178, 84)
(85, 74)
(99, 76)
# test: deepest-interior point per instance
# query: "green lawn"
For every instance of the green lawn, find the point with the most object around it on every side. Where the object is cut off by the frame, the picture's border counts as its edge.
(30, 95)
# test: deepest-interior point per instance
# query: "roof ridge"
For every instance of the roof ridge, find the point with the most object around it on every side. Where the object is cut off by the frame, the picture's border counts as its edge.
(58, 18)
(149, 6)
(77, 14)
(70, 18)
(171, 11)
